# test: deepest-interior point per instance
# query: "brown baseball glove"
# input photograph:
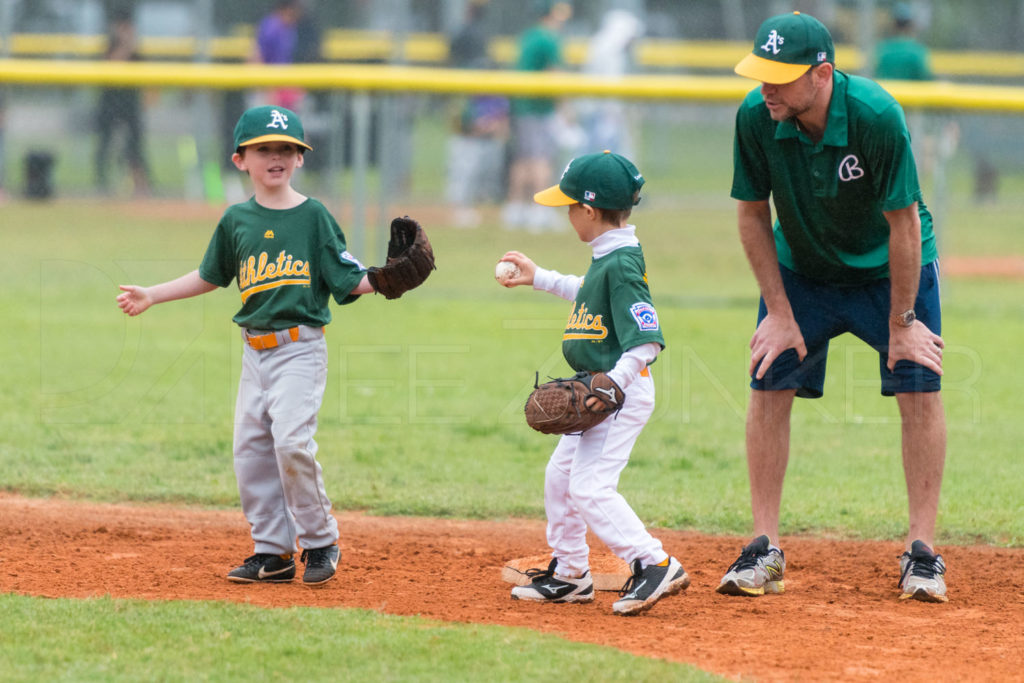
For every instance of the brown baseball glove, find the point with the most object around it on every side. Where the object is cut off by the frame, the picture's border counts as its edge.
(410, 260)
(560, 406)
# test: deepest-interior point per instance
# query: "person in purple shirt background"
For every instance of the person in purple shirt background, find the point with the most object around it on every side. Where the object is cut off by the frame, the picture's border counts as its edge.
(278, 41)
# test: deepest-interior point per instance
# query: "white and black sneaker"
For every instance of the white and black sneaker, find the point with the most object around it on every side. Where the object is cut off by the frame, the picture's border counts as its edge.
(321, 564)
(921, 572)
(546, 586)
(758, 570)
(264, 568)
(650, 584)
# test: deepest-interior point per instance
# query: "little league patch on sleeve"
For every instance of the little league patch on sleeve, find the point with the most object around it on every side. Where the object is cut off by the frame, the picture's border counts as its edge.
(345, 256)
(645, 316)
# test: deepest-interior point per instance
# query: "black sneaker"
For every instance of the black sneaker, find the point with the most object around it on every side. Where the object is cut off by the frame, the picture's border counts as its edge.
(321, 563)
(649, 584)
(921, 572)
(547, 587)
(758, 570)
(264, 568)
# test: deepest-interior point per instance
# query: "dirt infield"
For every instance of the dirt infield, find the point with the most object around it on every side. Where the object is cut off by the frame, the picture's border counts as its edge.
(839, 620)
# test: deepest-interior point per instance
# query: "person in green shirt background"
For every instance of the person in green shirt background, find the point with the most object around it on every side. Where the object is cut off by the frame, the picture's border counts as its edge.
(902, 56)
(533, 142)
(851, 250)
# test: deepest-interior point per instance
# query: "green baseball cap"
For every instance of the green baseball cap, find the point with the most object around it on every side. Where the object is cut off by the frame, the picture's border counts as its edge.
(603, 180)
(269, 124)
(786, 46)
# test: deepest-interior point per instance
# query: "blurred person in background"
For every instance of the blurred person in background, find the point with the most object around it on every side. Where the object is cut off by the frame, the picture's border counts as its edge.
(3, 149)
(902, 56)
(286, 36)
(477, 149)
(534, 121)
(121, 108)
(609, 57)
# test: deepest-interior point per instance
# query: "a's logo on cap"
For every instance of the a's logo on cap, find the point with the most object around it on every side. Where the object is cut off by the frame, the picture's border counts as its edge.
(589, 196)
(774, 43)
(278, 120)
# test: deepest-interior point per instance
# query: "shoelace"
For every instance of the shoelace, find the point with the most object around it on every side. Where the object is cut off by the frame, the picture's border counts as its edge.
(632, 580)
(317, 558)
(923, 567)
(536, 574)
(748, 558)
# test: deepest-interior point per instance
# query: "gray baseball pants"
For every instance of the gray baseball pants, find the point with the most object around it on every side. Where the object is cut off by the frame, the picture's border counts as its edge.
(279, 480)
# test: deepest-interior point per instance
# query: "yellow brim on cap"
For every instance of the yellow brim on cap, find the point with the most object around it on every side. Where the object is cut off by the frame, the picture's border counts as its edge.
(553, 196)
(275, 138)
(768, 71)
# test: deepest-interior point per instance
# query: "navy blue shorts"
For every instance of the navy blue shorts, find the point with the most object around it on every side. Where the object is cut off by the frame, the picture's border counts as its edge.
(824, 311)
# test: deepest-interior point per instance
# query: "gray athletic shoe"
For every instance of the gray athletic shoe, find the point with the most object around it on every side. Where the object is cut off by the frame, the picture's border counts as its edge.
(758, 570)
(264, 568)
(321, 564)
(546, 586)
(921, 573)
(648, 585)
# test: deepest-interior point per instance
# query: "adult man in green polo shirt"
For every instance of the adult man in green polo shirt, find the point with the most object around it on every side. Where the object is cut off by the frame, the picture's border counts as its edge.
(852, 250)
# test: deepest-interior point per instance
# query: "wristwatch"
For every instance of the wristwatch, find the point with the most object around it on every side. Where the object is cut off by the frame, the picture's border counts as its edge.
(905, 319)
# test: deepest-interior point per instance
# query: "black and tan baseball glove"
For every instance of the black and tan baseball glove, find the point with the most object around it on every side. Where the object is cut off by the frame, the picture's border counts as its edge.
(560, 406)
(410, 260)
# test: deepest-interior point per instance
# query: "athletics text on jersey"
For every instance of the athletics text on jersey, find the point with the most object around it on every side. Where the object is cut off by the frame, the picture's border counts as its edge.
(613, 312)
(287, 264)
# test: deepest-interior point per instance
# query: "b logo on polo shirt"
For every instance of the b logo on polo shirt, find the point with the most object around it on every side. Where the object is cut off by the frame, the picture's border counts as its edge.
(849, 168)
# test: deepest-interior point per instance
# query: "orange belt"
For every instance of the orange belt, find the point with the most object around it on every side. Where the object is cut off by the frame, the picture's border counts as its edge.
(270, 341)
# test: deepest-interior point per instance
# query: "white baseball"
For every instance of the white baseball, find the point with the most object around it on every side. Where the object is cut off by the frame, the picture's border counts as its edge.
(505, 271)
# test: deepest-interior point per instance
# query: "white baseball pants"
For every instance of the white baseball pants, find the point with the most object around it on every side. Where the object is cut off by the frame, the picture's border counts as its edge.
(580, 489)
(279, 480)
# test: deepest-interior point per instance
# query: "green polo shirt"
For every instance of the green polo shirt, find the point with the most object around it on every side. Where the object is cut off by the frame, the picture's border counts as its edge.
(612, 313)
(539, 50)
(830, 197)
(287, 264)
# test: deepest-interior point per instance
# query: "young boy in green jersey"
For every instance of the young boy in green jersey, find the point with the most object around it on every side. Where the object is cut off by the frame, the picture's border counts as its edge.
(613, 328)
(288, 255)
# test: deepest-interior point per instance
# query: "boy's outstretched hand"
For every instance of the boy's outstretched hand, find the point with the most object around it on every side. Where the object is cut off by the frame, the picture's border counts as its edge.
(134, 299)
(527, 269)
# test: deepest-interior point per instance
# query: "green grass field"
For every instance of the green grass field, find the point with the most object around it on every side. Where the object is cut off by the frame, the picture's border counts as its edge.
(422, 416)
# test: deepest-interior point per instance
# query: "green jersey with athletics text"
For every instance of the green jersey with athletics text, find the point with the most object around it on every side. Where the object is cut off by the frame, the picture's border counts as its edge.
(287, 263)
(613, 312)
(830, 196)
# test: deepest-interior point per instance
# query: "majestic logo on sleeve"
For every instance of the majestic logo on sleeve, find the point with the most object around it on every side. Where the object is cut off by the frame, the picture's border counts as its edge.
(259, 273)
(584, 325)
(645, 316)
(278, 120)
(849, 168)
(774, 43)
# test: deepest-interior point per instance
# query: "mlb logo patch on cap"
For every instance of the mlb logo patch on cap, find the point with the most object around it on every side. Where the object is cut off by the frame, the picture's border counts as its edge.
(589, 196)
